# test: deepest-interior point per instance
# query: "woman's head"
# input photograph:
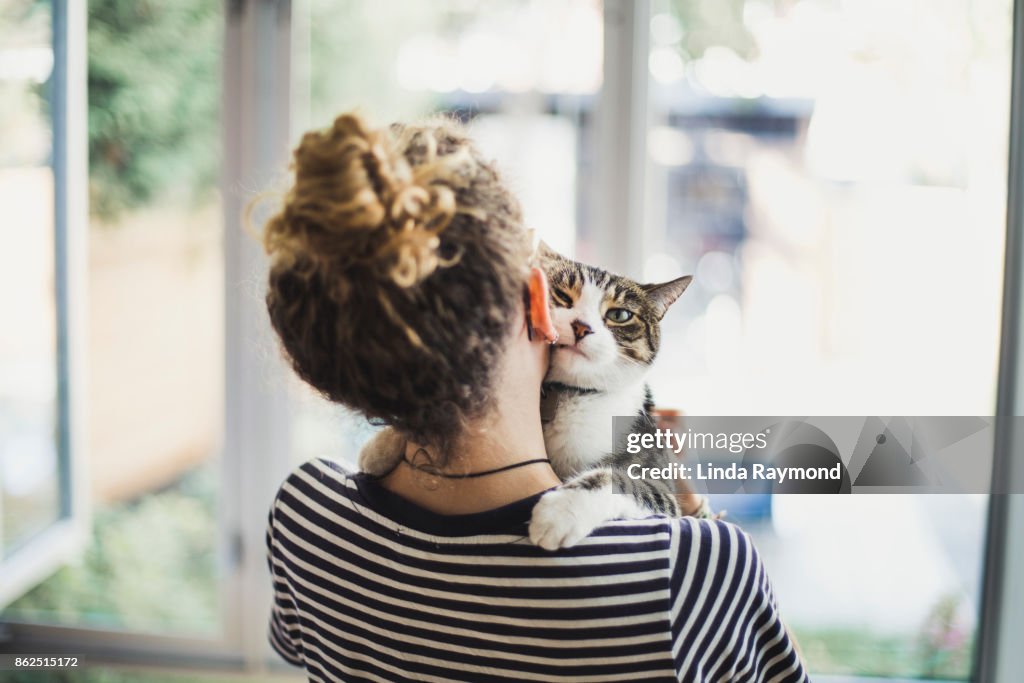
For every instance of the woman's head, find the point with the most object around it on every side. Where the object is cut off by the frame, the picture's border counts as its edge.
(398, 262)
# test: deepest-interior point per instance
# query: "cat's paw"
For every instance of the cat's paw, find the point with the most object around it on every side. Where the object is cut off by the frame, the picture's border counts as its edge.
(381, 454)
(564, 517)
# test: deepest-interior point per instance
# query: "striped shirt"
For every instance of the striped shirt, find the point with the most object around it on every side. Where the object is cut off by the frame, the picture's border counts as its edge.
(370, 587)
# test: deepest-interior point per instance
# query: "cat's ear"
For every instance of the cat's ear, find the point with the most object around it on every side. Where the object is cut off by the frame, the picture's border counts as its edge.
(666, 293)
(545, 253)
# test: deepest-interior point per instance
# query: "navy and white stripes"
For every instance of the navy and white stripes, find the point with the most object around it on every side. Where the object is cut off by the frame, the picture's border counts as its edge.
(369, 587)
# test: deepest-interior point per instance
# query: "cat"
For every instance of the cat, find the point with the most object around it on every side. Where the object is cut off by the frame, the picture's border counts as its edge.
(610, 331)
(610, 327)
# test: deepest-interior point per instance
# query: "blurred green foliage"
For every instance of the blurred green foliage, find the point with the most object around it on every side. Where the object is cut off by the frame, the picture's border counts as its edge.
(350, 52)
(150, 566)
(713, 23)
(869, 651)
(154, 101)
(24, 109)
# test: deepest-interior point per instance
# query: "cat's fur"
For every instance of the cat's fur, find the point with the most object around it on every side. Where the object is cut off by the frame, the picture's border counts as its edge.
(598, 372)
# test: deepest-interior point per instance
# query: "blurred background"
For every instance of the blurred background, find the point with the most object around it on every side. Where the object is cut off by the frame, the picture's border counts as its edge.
(833, 172)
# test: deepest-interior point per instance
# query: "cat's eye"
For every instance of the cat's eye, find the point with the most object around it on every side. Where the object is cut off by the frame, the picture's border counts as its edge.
(619, 315)
(561, 298)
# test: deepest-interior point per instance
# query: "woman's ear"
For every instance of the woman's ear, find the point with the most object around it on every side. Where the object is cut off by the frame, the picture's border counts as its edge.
(540, 306)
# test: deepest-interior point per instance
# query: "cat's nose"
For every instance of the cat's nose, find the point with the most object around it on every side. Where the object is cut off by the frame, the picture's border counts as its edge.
(581, 329)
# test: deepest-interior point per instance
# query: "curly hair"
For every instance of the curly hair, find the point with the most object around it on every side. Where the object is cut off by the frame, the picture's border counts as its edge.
(397, 260)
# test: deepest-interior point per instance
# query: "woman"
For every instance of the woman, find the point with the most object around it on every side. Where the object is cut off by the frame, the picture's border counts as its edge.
(400, 286)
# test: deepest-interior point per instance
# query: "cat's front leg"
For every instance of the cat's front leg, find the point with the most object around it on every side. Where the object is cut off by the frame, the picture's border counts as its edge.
(382, 453)
(565, 516)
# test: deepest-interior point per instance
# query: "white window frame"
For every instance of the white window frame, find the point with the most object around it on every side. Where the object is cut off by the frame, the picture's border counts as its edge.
(64, 539)
(621, 121)
(256, 110)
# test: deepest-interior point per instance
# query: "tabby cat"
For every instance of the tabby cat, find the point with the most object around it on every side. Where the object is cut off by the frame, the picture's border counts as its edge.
(609, 327)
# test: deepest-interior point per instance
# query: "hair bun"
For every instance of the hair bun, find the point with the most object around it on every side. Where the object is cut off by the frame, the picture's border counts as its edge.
(397, 267)
(357, 202)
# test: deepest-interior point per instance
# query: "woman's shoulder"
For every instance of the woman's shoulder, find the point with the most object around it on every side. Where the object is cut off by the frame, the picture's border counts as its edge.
(704, 530)
(322, 469)
(716, 555)
(695, 537)
(697, 551)
(328, 472)
(315, 478)
(681, 530)
(681, 538)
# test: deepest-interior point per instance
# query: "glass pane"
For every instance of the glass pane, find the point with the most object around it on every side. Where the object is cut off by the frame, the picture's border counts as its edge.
(834, 175)
(522, 73)
(155, 323)
(29, 480)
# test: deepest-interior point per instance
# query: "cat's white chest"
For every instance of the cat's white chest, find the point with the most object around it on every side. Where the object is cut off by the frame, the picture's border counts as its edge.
(580, 433)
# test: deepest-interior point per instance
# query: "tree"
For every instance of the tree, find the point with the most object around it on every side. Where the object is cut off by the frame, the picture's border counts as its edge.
(154, 100)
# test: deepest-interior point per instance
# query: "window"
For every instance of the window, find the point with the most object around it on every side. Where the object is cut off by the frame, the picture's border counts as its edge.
(824, 169)
(31, 496)
(41, 507)
(153, 357)
(833, 173)
(795, 158)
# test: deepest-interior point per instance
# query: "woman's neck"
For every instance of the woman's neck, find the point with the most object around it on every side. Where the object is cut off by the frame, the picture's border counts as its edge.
(509, 433)
(498, 445)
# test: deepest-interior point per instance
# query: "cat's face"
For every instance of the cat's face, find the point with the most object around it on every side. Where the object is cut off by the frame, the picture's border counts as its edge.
(608, 325)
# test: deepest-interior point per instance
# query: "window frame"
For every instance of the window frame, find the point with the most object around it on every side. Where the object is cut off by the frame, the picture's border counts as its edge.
(256, 126)
(998, 655)
(64, 539)
(621, 159)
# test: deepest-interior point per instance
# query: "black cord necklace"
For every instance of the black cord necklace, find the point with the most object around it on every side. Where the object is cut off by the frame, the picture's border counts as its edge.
(432, 470)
